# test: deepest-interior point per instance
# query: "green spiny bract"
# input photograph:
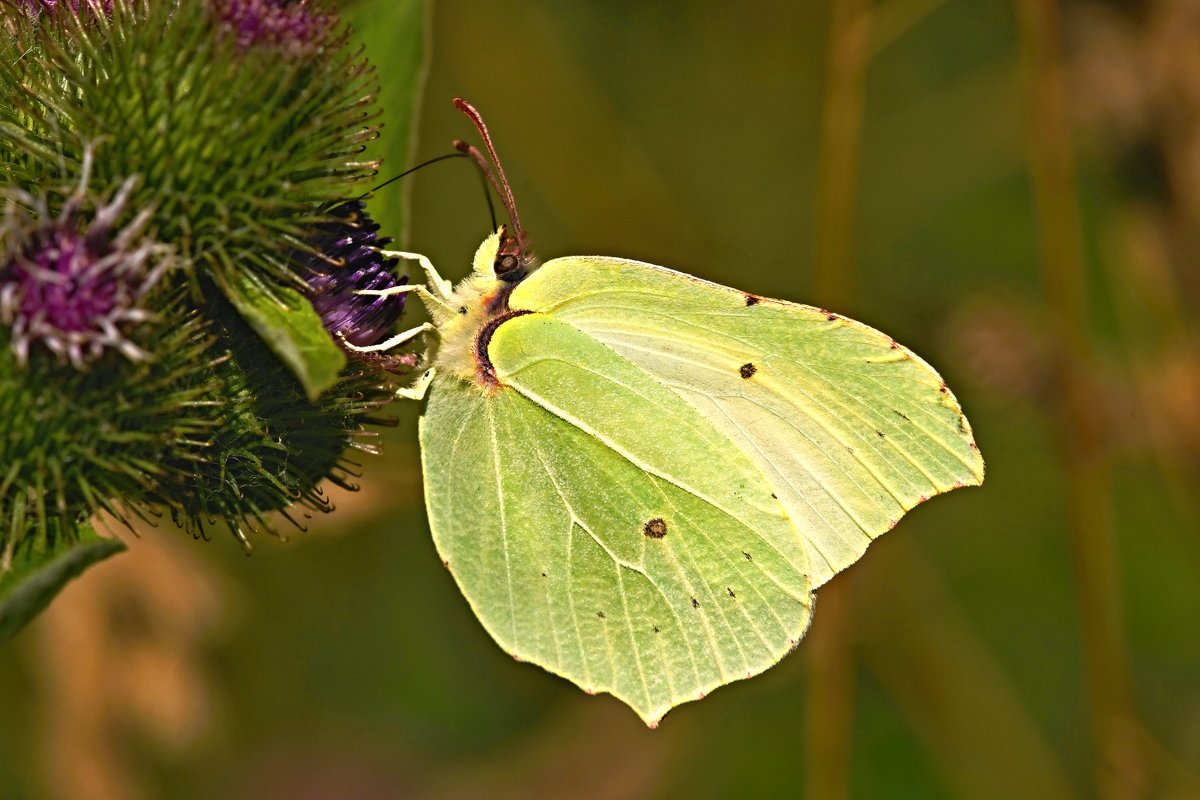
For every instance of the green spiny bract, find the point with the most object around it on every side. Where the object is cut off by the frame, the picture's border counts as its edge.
(230, 150)
(238, 149)
(268, 448)
(77, 441)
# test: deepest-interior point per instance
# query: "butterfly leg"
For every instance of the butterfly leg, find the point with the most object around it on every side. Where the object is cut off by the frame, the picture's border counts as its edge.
(398, 339)
(427, 296)
(440, 285)
(418, 389)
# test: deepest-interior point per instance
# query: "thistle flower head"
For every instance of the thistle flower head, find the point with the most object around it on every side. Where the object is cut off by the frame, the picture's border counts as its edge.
(350, 260)
(72, 286)
(297, 26)
(51, 6)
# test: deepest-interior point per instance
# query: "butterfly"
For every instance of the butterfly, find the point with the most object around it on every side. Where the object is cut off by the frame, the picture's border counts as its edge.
(638, 478)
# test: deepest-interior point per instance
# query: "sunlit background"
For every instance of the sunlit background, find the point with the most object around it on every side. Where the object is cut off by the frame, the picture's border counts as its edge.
(1011, 189)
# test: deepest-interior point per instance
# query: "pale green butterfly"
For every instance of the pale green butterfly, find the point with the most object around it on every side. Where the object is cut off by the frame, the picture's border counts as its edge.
(638, 478)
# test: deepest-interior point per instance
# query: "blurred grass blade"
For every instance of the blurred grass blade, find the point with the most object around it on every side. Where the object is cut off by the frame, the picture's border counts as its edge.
(918, 644)
(829, 723)
(394, 35)
(291, 327)
(34, 579)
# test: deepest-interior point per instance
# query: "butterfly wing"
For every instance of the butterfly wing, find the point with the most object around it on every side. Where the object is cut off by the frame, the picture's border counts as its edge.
(851, 429)
(602, 528)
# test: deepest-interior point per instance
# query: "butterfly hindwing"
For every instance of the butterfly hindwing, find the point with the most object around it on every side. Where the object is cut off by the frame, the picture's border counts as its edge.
(604, 529)
(851, 429)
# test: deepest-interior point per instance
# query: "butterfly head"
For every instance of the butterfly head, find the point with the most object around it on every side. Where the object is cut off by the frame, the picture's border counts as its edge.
(511, 258)
(506, 257)
(514, 259)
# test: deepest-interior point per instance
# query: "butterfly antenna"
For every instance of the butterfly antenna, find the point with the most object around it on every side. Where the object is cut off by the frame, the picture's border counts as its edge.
(485, 173)
(408, 172)
(498, 179)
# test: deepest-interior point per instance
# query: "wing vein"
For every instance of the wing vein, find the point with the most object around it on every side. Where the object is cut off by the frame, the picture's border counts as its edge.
(512, 608)
(633, 643)
(576, 521)
(611, 445)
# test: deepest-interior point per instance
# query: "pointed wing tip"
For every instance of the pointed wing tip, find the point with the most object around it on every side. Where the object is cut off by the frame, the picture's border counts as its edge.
(652, 717)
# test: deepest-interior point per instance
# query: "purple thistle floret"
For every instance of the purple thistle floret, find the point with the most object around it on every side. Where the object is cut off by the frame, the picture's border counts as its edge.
(295, 25)
(50, 6)
(72, 289)
(351, 261)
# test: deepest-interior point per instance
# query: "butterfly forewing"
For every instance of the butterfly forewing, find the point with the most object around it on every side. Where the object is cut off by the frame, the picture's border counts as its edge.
(850, 428)
(608, 533)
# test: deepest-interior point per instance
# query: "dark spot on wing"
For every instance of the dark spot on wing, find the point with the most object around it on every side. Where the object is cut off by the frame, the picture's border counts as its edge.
(748, 556)
(751, 300)
(830, 316)
(695, 603)
(600, 614)
(747, 370)
(902, 416)
(774, 496)
(543, 574)
(655, 528)
(880, 434)
(656, 630)
(462, 310)
(943, 388)
(894, 345)
(731, 594)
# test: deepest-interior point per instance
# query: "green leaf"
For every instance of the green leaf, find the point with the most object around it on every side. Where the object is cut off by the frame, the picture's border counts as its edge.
(34, 579)
(291, 327)
(394, 35)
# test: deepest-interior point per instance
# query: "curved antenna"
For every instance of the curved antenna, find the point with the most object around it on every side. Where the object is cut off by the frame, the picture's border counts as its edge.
(484, 174)
(408, 172)
(498, 179)
(485, 170)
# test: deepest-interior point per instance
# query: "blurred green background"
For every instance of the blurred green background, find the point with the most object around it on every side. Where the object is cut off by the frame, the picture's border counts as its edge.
(1011, 189)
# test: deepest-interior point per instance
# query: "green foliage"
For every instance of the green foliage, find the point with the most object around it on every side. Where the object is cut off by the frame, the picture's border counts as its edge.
(32, 579)
(289, 325)
(393, 34)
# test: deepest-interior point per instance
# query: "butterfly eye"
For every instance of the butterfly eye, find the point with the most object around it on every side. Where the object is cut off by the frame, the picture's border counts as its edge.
(505, 264)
